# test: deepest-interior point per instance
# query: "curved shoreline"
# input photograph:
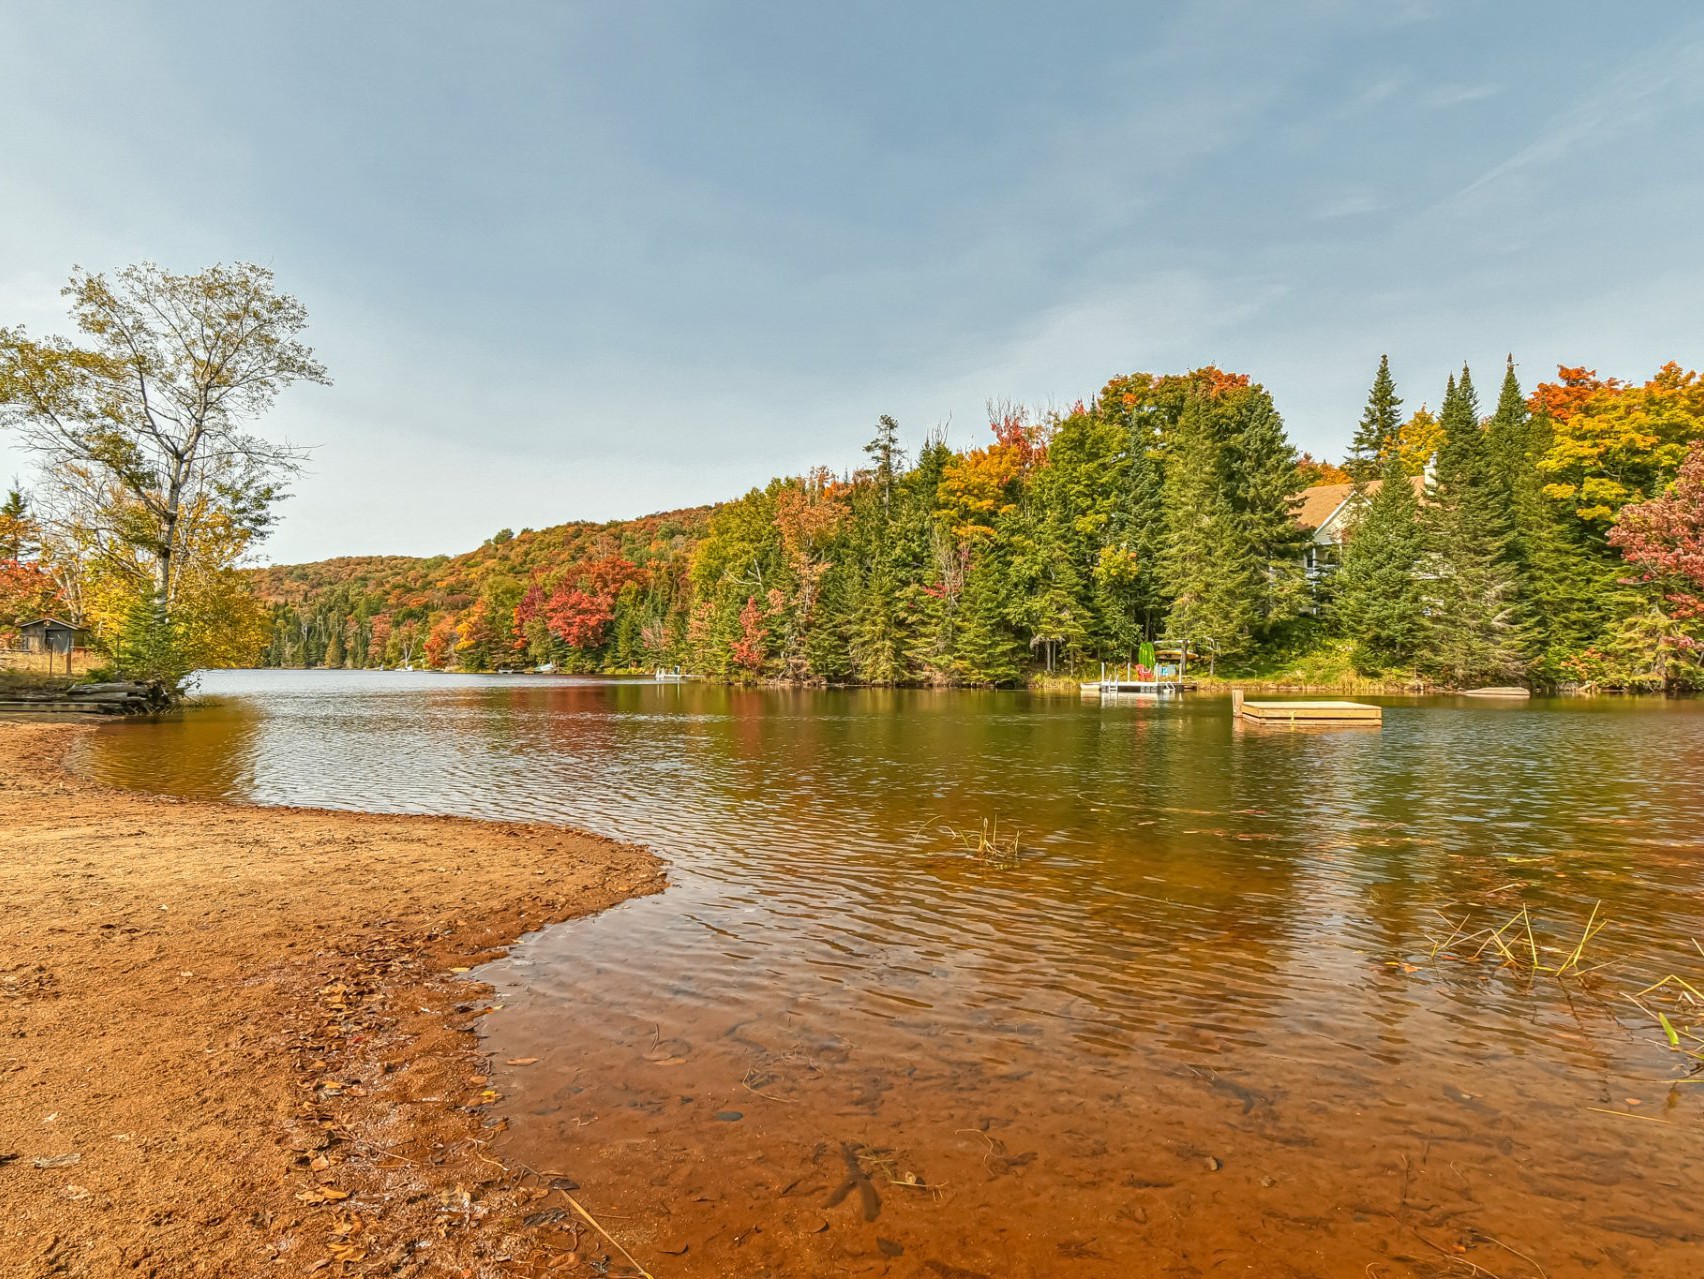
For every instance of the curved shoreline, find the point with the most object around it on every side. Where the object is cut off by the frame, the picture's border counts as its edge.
(234, 1040)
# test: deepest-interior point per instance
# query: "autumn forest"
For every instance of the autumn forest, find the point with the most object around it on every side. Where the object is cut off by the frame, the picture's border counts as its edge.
(1548, 536)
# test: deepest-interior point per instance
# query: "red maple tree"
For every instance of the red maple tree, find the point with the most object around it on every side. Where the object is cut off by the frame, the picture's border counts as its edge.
(1664, 538)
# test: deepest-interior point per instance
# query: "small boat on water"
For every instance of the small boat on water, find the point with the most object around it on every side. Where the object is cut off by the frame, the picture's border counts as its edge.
(1510, 692)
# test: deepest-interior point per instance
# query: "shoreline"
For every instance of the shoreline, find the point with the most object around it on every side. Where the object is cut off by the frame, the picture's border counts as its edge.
(236, 1040)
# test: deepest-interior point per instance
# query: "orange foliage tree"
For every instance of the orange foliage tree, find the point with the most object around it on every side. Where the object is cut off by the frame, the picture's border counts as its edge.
(1611, 442)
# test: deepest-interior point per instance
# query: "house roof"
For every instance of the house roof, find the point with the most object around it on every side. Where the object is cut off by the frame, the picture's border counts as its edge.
(1322, 501)
(49, 621)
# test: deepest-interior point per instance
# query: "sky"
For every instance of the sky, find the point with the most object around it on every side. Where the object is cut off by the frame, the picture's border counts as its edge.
(594, 260)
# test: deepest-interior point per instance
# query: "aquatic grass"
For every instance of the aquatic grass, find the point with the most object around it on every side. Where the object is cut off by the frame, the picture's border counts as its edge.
(1673, 1004)
(986, 843)
(1679, 997)
(1515, 946)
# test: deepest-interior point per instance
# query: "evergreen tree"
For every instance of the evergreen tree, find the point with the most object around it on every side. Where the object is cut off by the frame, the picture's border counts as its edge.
(876, 643)
(1264, 484)
(17, 535)
(827, 653)
(1130, 590)
(988, 653)
(1381, 421)
(1472, 630)
(1567, 573)
(1206, 561)
(889, 458)
(1378, 601)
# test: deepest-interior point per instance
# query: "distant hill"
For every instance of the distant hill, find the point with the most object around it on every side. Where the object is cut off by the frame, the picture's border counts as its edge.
(380, 610)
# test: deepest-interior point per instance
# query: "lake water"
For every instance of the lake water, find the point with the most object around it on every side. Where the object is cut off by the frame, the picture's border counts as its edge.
(1196, 1029)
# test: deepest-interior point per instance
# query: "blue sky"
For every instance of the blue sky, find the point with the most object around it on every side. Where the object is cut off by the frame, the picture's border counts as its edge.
(594, 260)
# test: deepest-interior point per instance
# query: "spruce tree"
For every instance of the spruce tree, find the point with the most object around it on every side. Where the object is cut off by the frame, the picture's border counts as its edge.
(1379, 602)
(1130, 593)
(1472, 624)
(1263, 486)
(1381, 421)
(988, 652)
(875, 643)
(1568, 575)
(1206, 559)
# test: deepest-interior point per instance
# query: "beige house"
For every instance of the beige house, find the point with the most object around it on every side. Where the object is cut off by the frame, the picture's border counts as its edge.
(1328, 511)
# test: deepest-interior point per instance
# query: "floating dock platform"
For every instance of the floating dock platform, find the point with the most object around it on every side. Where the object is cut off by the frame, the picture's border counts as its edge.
(1311, 712)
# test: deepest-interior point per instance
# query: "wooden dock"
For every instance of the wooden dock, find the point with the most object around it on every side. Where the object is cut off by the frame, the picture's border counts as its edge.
(1310, 712)
(1136, 687)
(56, 706)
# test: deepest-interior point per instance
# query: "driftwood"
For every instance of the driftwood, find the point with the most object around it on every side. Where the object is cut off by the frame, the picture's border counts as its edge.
(93, 690)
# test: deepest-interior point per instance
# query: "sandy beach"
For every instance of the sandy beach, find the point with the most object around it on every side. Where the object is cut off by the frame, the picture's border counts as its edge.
(235, 1041)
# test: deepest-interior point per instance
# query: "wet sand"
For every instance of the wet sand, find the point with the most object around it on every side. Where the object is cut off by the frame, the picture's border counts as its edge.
(234, 1041)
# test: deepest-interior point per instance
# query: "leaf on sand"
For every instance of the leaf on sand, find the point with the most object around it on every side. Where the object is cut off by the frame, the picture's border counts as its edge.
(522, 1061)
(322, 1195)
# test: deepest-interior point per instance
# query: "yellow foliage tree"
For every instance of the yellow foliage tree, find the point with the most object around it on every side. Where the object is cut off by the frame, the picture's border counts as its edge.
(1417, 441)
(976, 490)
(1612, 443)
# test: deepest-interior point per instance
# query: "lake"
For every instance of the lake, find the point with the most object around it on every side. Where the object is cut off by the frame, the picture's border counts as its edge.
(1195, 1027)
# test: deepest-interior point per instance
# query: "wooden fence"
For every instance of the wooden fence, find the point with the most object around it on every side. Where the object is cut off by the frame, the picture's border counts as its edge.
(79, 661)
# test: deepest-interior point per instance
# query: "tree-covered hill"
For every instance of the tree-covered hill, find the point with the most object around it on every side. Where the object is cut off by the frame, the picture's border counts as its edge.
(1167, 508)
(383, 610)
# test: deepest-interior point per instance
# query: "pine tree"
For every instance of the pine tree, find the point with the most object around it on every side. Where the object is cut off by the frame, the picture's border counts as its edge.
(1130, 593)
(1567, 573)
(876, 644)
(988, 652)
(1381, 421)
(888, 457)
(1264, 486)
(1472, 626)
(1379, 602)
(1206, 560)
(17, 530)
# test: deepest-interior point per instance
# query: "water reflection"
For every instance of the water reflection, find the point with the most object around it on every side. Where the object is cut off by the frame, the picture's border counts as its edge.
(1178, 1037)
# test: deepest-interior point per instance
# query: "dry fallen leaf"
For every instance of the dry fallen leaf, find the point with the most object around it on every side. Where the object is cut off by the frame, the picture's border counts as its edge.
(522, 1061)
(322, 1194)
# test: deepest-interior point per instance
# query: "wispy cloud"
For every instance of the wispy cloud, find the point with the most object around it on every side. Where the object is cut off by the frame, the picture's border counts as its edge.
(1633, 96)
(1352, 205)
(1454, 95)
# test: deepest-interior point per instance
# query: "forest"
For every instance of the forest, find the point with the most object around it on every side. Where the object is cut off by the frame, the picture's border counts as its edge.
(1553, 541)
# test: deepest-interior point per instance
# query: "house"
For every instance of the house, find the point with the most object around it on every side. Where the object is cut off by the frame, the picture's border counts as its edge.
(1328, 512)
(49, 635)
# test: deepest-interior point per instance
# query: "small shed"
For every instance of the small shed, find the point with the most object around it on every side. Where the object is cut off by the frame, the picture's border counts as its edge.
(49, 635)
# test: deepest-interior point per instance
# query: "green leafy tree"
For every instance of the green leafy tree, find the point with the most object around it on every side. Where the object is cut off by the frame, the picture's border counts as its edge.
(144, 428)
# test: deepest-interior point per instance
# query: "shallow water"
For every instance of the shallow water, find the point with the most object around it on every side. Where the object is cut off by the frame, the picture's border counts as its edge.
(1194, 1030)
